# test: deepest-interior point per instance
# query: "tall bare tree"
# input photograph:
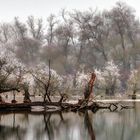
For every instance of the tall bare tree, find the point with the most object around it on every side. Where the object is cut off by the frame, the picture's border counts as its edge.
(35, 27)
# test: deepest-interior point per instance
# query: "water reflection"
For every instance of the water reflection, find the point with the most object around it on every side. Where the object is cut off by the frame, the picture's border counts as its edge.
(88, 126)
(103, 125)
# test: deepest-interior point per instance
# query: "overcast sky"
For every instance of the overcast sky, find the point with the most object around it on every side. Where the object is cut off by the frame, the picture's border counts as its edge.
(42, 8)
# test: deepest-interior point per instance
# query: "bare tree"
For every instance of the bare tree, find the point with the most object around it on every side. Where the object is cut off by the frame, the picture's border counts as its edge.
(20, 29)
(125, 25)
(27, 48)
(35, 27)
(45, 85)
(5, 33)
(93, 34)
(52, 22)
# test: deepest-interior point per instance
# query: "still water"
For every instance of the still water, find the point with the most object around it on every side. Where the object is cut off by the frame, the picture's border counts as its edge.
(102, 125)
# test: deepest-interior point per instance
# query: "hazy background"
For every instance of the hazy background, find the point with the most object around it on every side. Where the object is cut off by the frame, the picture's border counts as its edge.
(43, 8)
(76, 42)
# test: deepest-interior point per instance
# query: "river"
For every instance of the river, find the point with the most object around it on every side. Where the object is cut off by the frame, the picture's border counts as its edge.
(102, 125)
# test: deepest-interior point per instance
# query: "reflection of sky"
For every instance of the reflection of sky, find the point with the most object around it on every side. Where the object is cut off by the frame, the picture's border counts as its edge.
(42, 8)
(74, 133)
(122, 125)
(107, 125)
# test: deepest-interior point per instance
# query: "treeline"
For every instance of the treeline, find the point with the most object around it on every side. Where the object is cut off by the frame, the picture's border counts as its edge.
(78, 40)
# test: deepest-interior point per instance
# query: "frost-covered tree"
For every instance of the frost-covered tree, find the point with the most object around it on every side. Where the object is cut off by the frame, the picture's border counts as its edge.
(10, 71)
(47, 81)
(134, 81)
(82, 79)
(108, 78)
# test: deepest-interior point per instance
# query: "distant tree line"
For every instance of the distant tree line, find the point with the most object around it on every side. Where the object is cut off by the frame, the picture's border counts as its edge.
(78, 41)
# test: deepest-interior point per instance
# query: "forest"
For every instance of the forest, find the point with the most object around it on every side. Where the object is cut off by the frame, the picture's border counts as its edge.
(56, 56)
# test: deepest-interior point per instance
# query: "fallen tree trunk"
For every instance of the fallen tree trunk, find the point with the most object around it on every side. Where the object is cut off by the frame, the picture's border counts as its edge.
(57, 106)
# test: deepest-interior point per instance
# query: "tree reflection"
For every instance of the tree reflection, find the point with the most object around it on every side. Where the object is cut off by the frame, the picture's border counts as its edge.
(51, 124)
(48, 127)
(123, 125)
(88, 126)
(14, 133)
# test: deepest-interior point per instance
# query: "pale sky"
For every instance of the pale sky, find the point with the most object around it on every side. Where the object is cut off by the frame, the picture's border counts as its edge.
(43, 8)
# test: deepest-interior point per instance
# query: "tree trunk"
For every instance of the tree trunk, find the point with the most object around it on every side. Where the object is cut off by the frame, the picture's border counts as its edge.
(26, 94)
(47, 93)
(89, 87)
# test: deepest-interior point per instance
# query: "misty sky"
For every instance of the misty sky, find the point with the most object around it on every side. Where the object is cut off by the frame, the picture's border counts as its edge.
(42, 8)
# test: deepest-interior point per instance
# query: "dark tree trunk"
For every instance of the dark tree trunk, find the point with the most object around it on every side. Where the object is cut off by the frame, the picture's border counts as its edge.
(26, 93)
(89, 87)
(47, 92)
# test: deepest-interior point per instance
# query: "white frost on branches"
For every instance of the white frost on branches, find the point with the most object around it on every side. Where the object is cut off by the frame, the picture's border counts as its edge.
(82, 79)
(42, 70)
(108, 76)
(134, 80)
(10, 58)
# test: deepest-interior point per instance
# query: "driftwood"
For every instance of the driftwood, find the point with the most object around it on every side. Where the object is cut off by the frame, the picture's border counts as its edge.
(57, 106)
